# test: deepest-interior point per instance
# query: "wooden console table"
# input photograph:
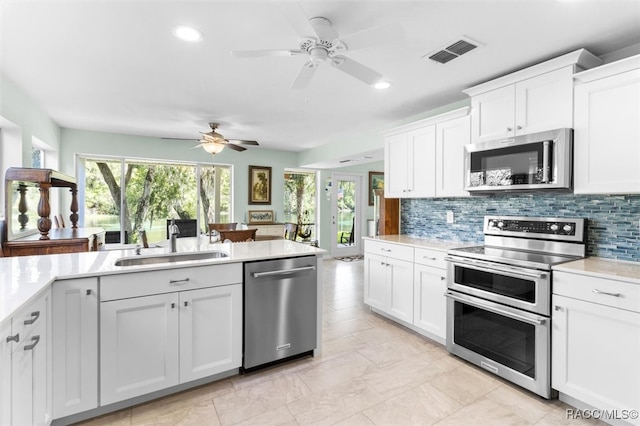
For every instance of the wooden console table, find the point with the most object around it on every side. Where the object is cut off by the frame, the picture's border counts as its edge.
(61, 240)
(44, 179)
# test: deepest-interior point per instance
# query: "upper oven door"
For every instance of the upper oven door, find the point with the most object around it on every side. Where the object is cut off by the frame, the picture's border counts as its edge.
(522, 288)
(537, 161)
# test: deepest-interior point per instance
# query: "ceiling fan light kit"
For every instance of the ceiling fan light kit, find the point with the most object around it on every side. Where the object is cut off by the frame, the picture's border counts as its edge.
(186, 33)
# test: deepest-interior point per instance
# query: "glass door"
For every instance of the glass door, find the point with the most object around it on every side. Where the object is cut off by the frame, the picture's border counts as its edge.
(346, 202)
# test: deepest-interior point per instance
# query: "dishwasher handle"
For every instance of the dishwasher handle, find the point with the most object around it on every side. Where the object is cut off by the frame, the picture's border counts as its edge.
(283, 272)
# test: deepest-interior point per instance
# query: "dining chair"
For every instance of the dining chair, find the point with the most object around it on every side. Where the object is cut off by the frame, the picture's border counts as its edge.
(290, 231)
(221, 227)
(238, 235)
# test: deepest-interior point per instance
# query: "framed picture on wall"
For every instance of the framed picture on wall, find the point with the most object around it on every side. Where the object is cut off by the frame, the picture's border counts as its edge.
(259, 185)
(376, 181)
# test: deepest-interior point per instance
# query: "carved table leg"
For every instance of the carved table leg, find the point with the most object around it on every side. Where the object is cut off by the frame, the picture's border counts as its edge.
(22, 207)
(74, 208)
(44, 209)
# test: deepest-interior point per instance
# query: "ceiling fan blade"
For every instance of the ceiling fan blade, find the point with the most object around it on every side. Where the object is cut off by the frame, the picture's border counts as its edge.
(179, 139)
(197, 146)
(236, 147)
(373, 36)
(243, 142)
(304, 76)
(299, 21)
(356, 69)
(258, 53)
(323, 29)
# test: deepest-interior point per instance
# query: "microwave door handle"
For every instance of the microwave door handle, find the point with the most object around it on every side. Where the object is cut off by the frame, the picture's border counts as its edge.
(546, 146)
(495, 310)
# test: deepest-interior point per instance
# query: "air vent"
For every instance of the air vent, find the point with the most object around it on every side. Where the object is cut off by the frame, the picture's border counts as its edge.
(453, 50)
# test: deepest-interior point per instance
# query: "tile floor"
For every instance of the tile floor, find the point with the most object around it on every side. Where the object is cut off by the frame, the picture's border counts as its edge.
(371, 372)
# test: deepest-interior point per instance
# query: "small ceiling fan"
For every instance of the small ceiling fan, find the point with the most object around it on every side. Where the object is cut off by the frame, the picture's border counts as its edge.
(213, 142)
(322, 43)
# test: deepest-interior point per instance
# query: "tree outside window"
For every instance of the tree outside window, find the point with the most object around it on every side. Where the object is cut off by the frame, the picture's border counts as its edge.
(300, 201)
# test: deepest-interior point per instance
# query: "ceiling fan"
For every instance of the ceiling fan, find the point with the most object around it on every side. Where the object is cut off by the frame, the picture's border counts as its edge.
(322, 43)
(213, 142)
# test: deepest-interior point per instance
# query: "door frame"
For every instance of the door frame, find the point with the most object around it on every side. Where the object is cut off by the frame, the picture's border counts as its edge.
(357, 248)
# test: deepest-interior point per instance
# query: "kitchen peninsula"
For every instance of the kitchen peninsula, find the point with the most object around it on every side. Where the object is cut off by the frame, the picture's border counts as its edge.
(57, 322)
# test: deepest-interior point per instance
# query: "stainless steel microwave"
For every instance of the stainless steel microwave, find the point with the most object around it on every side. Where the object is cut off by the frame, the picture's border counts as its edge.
(538, 161)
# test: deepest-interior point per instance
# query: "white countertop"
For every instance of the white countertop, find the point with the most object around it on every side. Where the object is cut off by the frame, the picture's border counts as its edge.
(603, 268)
(419, 242)
(23, 278)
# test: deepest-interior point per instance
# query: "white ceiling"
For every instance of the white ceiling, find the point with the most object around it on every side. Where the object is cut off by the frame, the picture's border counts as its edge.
(114, 66)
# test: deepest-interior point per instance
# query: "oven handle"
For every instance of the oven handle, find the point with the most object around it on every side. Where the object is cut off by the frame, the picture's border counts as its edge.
(492, 267)
(472, 302)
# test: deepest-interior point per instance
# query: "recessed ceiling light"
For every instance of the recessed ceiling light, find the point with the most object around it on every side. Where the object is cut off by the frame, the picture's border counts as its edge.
(187, 33)
(382, 85)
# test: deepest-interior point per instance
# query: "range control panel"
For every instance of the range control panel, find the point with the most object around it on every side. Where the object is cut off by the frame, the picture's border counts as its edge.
(535, 227)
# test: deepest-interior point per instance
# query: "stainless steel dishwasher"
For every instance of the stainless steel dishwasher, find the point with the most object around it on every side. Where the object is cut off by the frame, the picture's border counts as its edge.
(280, 309)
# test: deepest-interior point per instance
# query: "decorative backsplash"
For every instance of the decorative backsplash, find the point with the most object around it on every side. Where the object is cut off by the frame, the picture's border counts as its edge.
(613, 227)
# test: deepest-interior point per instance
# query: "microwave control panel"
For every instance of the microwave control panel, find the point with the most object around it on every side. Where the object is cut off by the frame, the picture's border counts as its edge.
(532, 227)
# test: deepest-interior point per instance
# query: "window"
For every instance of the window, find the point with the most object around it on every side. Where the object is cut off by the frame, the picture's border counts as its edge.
(132, 195)
(300, 201)
(37, 158)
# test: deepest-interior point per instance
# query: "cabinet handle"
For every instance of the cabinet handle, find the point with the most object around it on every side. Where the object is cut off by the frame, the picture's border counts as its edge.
(186, 303)
(387, 250)
(173, 306)
(606, 293)
(558, 308)
(518, 127)
(89, 292)
(34, 316)
(15, 338)
(443, 278)
(509, 129)
(35, 340)
(184, 281)
(428, 258)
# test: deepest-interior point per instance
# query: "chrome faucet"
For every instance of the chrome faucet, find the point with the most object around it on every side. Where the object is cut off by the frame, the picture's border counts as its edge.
(173, 235)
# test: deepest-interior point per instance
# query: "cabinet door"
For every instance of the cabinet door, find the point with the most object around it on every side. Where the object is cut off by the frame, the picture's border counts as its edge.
(606, 148)
(5, 373)
(451, 138)
(430, 304)
(138, 346)
(400, 289)
(545, 102)
(493, 114)
(375, 277)
(396, 154)
(595, 352)
(210, 331)
(421, 160)
(75, 346)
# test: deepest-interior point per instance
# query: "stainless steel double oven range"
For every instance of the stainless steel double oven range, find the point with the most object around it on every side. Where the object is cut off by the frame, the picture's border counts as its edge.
(499, 296)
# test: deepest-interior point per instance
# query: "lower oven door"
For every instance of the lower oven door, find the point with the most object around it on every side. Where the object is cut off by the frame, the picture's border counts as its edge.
(508, 342)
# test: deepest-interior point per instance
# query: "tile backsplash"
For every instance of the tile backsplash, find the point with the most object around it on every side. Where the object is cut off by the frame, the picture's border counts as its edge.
(613, 220)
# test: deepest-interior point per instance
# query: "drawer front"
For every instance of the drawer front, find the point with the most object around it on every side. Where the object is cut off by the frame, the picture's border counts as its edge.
(28, 318)
(396, 251)
(429, 257)
(617, 294)
(137, 284)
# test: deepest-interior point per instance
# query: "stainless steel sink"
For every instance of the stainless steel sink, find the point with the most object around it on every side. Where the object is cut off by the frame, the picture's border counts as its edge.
(170, 258)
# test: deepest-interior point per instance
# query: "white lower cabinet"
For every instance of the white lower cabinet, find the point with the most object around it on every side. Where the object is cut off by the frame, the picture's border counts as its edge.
(154, 342)
(138, 346)
(24, 392)
(389, 279)
(75, 346)
(596, 343)
(429, 287)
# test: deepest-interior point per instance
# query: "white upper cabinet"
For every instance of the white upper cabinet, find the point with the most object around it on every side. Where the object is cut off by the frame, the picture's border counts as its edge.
(532, 100)
(607, 129)
(451, 138)
(425, 159)
(409, 160)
